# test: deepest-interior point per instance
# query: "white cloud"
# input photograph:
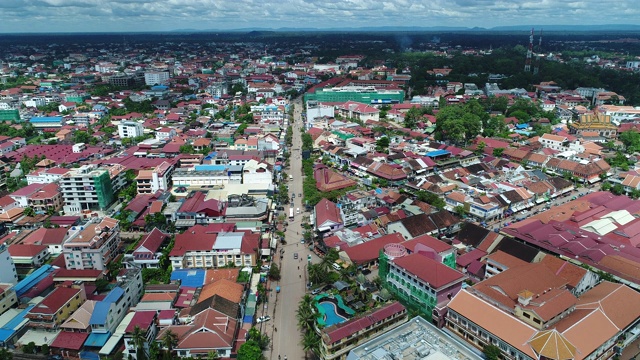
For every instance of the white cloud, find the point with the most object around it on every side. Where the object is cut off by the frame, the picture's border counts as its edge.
(140, 15)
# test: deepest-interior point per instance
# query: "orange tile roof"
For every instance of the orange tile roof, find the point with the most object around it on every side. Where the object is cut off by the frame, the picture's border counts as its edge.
(499, 323)
(552, 345)
(229, 290)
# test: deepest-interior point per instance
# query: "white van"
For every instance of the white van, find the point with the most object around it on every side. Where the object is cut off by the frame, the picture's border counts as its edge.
(337, 266)
(297, 210)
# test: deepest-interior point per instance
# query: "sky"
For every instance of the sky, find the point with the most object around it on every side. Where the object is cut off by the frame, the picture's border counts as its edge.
(19, 16)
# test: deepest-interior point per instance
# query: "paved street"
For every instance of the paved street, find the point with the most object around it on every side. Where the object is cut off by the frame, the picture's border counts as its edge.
(282, 307)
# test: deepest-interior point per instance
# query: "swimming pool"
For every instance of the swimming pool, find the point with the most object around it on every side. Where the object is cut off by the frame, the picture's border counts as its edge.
(332, 310)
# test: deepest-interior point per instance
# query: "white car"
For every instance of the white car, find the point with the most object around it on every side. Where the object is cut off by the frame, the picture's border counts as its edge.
(262, 319)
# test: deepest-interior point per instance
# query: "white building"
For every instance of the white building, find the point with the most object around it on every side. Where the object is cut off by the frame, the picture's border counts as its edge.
(156, 77)
(46, 176)
(318, 110)
(91, 187)
(8, 274)
(255, 172)
(130, 129)
(159, 178)
(92, 246)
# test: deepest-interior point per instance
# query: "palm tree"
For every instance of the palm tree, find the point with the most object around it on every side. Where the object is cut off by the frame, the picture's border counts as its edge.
(305, 314)
(139, 338)
(317, 273)
(311, 342)
(169, 341)
(213, 355)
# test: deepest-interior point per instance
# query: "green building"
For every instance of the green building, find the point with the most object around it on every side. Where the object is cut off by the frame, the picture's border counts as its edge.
(10, 115)
(78, 99)
(421, 283)
(367, 95)
(90, 187)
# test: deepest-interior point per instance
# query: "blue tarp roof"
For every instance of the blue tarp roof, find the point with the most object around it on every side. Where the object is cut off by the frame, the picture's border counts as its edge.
(189, 278)
(33, 279)
(438, 153)
(9, 329)
(97, 339)
(522, 126)
(248, 319)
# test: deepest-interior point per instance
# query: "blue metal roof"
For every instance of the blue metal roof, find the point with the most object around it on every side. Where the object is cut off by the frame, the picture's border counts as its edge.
(46, 119)
(189, 277)
(33, 279)
(210, 167)
(522, 126)
(438, 153)
(89, 355)
(100, 312)
(113, 295)
(97, 339)
(10, 328)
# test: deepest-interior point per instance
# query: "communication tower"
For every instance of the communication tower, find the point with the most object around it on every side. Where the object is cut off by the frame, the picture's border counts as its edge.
(527, 63)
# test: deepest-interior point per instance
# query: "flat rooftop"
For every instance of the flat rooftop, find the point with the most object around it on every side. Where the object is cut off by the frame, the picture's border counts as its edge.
(414, 340)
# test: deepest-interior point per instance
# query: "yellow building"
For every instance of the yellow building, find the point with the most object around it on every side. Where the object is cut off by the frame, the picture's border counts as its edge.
(596, 122)
(54, 309)
(8, 297)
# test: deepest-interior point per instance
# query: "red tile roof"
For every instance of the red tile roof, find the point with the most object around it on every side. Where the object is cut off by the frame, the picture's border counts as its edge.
(142, 319)
(428, 270)
(21, 250)
(70, 340)
(151, 242)
(327, 211)
(370, 250)
(343, 330)
(55, 300)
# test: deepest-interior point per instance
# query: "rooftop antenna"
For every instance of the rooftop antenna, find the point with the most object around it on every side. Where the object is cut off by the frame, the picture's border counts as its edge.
(538, 53)
(527, 63)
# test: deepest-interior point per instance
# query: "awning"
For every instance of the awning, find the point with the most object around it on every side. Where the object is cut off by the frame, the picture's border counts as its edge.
(97, 339)
(111, 344)
(185, 222)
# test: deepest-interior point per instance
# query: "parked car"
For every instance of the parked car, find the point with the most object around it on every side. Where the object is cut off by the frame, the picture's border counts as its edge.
(262, 319)
(315, 291)
(295, 255)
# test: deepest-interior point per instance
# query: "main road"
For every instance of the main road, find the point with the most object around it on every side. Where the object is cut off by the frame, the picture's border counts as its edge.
(283, 329)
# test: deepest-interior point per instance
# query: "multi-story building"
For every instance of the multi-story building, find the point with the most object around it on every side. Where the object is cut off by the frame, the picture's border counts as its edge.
(529, 312)
(46, 176)
(91, 187)
(408, 341)
(92, 245)
(421, 282)
(199, 248)
(8, 275)
(130, 129)
(56, 307)
(147, 254)
(152, 78)
(363, 94)
(47, 200)
(159, 178)
(337, 340)
(8, 297)
(146, 321)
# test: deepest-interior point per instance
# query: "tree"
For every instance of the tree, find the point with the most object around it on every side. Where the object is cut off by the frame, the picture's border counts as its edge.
(274, 272)
(305, 315)
(497, 152)
(154, 350)
(491, 352)
(460, 210)
(250, 350)
(29, 348)
(480, 147)
(44, 349)
(169, 342)
(311, 342)
(382, 144)
(28, 211)
(5, 354)
(187, 149)
(139, 339)
(213, 355)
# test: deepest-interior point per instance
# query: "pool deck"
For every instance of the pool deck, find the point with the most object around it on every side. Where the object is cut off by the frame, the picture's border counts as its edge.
(338, 303)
